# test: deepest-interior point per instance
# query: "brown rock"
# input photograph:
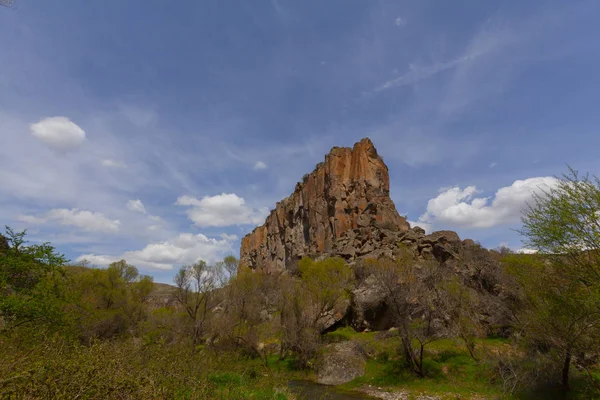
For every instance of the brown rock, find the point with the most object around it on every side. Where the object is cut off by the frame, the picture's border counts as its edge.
(349, 190)
(468, 242)
(441, 237)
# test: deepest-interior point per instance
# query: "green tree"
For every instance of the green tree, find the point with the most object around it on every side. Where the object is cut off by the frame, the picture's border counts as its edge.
(309, 304)
(226, 270)
(32, 283)
(196, 286)
(326, 284)
(110, 301)
(230, 263)
(419, 302)
(562, 283)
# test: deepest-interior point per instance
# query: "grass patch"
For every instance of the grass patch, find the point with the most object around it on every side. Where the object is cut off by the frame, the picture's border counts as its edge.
(347, 333)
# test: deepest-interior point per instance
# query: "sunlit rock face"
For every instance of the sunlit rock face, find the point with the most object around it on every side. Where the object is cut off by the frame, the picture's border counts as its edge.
(342, 208)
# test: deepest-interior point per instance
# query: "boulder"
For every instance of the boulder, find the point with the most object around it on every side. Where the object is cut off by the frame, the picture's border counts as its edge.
(441, 237)
(369, 308)
(340, 363)
(332, 317)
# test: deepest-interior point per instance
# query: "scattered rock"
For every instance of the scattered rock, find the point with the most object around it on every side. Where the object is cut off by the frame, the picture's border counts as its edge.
(379, 393)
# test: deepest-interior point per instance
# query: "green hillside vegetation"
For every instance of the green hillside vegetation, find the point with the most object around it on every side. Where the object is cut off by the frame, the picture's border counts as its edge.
(223, 332)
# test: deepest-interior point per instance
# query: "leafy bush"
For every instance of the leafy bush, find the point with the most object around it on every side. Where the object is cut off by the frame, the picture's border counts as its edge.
(125, 369)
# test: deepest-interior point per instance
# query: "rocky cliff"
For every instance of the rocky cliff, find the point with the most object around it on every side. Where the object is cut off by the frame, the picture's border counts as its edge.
(339, 209)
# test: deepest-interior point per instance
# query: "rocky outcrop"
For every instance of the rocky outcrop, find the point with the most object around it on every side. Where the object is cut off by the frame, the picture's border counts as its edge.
(474, 266)
(337, 210)
(340, 363)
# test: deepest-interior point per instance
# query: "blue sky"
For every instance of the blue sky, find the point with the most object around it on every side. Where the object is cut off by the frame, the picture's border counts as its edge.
(163, 132)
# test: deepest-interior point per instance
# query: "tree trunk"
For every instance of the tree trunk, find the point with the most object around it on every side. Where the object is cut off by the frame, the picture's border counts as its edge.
(565, 371)
(421, 372)
(471, 348)
(408, 353)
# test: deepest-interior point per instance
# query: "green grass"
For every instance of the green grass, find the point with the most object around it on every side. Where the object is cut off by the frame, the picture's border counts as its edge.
(348, 333)
(130, 369)
(448, 366)
(451, 373)
(448, 372)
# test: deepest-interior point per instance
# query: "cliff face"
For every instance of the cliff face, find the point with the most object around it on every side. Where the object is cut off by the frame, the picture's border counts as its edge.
(338, 209)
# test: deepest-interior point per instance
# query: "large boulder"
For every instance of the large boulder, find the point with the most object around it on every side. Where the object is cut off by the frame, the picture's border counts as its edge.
(341, 362)
(369, 306)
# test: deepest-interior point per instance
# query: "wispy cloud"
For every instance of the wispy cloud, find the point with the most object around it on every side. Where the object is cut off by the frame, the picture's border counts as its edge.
(417, 73)
(110, 163)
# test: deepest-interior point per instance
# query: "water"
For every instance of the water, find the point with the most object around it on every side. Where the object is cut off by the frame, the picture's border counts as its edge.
(306, 390)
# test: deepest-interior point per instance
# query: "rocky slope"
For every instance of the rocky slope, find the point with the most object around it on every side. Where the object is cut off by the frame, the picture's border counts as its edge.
(338, 209)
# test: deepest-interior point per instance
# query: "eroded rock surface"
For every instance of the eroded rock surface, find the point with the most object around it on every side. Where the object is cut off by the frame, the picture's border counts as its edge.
(340, 363)
(338, 209)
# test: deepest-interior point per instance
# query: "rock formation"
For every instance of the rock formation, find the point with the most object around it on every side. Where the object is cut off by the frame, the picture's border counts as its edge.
(343, 209)
(338, 209)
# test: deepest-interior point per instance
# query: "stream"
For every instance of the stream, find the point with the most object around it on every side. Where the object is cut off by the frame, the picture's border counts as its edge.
(307, 390)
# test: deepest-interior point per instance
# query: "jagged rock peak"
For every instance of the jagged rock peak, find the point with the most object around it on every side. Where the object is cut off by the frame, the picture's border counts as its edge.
(335, 210)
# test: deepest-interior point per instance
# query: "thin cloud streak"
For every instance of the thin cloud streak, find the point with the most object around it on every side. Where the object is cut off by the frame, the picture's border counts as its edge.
(417, 73)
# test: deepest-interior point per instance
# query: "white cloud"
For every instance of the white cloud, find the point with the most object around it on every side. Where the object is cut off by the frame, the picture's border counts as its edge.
(158, 223)
(399, 21)
(188, 201)
(525, 250)
(459, 207)
(221, 210)
(83, 219)
(184, 249)
(259, 165)
(492, 165)
(136, 206)
(59, 133)
(109, 163)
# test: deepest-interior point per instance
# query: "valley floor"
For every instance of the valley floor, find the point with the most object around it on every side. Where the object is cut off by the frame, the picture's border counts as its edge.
(131, 369)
